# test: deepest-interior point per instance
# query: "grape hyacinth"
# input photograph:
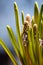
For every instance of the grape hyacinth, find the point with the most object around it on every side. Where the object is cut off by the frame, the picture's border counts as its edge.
(29, 47)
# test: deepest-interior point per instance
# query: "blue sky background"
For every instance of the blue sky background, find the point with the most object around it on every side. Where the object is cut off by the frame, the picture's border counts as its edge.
(7, 15)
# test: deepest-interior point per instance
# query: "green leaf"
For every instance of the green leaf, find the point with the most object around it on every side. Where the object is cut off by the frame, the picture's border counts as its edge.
(40, 17)
(33, 43)
(41, 29)
(32, 22)
(36, 12)
(17, 27)
(22, 17)
(12, 38)
(18, 32)
(8, 52)
(30, 46)
(38, 49)
(14, 43)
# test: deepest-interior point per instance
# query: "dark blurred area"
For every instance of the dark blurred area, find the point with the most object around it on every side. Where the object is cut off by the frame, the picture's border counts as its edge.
(4, 58)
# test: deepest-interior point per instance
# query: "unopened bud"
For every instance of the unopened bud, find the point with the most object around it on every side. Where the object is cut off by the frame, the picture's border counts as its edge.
(28, 17)
(41, 42)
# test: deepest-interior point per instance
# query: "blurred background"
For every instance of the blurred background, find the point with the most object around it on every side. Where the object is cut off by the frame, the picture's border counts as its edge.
(7, 18)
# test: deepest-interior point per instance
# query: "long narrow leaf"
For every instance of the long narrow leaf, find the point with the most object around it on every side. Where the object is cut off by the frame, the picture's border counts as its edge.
(33, 43)
(40, 17)
(14, 43)
(22, 17)
(32, 22)
(12, 38)
(30, 48)
(38, 50)
(36, 12)
(8, 52)
(17, 27)
(18, 31)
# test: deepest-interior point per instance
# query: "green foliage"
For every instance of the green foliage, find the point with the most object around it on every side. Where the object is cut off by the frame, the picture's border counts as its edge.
(31, 53)
(22, 17)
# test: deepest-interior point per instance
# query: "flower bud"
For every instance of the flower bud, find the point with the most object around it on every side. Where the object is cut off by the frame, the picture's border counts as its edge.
(28, 17)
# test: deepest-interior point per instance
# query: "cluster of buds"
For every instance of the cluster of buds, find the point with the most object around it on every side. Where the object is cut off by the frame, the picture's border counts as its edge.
(26, 26)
